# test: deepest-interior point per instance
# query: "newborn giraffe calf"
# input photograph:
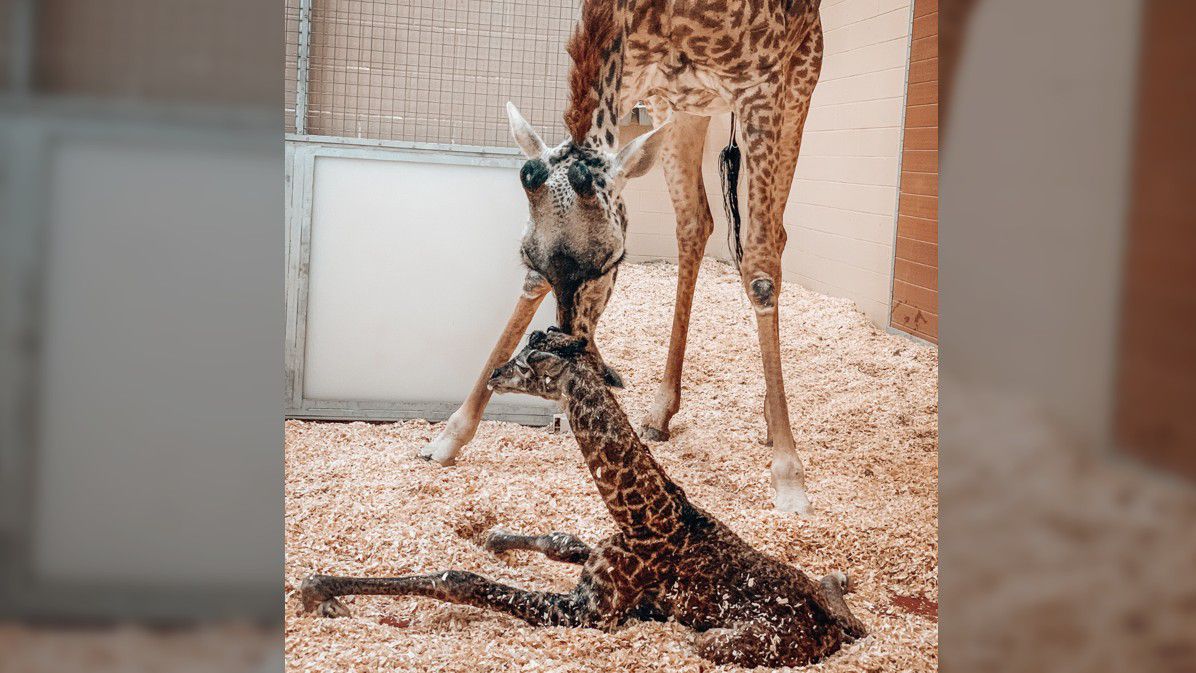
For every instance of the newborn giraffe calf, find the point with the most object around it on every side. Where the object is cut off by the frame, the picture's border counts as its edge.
(669, 558)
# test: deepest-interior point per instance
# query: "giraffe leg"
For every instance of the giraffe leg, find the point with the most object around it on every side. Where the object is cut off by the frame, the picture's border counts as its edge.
(771, 144)
(463, 424)
(603, 598)
(833, 587)
(556, 546)
(681, 157)
(538, 608)
(760, 643)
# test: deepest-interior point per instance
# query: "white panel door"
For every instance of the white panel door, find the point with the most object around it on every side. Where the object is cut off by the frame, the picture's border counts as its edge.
(414, 270)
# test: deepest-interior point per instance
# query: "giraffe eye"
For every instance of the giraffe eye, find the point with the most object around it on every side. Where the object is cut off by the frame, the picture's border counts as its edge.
(533, 174)
(581, 179)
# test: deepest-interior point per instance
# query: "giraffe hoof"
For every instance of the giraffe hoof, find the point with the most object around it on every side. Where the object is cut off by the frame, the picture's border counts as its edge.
(651, 434)
(792, 501)
(842, 579)
(496, 541)
(442, 450)
(311, 592)
(333, 608)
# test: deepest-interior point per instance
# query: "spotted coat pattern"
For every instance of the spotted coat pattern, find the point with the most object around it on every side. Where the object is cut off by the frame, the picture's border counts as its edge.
(687, 60)
(669, 558)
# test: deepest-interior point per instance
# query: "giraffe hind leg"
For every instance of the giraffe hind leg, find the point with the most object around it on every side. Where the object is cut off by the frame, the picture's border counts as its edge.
(762, 643)
(748, 644)
(556, 546)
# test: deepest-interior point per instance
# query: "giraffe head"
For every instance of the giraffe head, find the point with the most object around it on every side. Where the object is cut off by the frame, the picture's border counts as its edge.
(543, 368)
(577, 221)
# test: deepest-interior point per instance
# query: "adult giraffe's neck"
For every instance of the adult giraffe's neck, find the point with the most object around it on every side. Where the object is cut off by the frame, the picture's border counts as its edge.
(596, 47)
(644, 502)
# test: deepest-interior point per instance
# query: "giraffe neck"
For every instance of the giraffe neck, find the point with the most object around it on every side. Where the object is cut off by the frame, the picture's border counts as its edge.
(644, 502)
(596, 47)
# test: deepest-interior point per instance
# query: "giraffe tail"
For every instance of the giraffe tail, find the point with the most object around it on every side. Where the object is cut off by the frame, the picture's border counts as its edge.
(728, 172)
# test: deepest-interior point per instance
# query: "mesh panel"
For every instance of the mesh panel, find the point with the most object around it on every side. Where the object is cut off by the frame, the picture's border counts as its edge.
(432, 72)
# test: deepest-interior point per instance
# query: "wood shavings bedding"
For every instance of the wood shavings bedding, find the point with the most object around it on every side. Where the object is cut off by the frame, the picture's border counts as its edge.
(864, 407)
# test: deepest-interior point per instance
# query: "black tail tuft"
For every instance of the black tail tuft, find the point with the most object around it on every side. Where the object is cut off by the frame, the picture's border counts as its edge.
(728, 172)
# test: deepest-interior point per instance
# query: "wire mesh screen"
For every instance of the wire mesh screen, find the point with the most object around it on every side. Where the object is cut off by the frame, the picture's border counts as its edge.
(429, 71)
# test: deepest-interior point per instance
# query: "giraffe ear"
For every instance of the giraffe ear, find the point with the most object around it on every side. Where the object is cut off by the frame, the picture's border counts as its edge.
(525, 136)
(638, 156)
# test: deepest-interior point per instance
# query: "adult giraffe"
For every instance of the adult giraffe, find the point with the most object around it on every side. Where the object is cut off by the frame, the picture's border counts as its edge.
(688, 60)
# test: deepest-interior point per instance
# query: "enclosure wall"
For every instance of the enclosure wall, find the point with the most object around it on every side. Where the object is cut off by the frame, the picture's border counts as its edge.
(842, 210)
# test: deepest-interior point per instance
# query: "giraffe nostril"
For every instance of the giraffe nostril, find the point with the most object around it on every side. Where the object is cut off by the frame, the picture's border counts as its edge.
(494, 374)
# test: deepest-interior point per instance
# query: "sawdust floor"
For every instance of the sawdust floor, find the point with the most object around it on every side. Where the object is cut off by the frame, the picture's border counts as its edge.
(864, 406)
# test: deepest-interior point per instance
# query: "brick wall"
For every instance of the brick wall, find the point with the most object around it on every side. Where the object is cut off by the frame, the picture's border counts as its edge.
(915, 259)
(1156, 389)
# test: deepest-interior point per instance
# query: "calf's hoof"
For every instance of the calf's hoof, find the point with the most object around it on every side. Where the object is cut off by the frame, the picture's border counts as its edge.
(333, 608)
(315, 598)
(650, 434)
(839, 579)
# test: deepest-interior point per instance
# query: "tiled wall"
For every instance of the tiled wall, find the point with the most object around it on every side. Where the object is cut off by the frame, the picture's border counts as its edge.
(842, 209)
(651, 233)
(915, 266)
(840, 216)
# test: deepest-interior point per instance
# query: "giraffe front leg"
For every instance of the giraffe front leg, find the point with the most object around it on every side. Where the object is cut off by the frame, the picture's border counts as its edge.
(463, 424)
(681, 157)
(320, 592)
(315, 598)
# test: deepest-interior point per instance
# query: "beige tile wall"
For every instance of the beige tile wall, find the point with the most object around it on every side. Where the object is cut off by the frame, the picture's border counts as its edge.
(651, 233)
(841, 215)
